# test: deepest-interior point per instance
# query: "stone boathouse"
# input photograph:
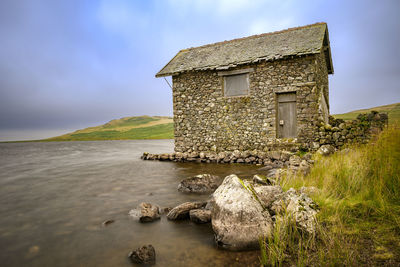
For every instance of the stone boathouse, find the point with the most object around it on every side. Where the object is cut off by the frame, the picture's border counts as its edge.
(264, 92)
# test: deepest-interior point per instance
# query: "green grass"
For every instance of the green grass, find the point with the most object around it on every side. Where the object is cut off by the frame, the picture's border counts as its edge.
(129, 121)
(162, 131)
(143, 127)
(359, 202)
(392, 110)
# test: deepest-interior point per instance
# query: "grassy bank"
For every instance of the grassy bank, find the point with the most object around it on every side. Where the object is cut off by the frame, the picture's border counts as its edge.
(359, 200)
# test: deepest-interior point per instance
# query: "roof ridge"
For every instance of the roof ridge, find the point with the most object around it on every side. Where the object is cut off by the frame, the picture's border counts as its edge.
(256, 36)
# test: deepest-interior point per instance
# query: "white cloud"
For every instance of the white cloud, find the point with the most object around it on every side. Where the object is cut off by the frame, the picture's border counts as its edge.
(261, 25)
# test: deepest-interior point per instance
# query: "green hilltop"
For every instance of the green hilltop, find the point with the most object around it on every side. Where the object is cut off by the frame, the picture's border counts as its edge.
(393, 110)
(143, 127)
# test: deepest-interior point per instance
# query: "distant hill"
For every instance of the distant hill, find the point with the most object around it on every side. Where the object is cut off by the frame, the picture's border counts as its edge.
(143, 127)
(393, 111)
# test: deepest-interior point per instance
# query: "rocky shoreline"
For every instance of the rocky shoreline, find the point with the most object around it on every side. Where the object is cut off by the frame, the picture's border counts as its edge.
(240, 211)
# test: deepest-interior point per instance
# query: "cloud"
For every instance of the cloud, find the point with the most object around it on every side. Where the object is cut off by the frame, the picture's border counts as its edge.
(262, 25)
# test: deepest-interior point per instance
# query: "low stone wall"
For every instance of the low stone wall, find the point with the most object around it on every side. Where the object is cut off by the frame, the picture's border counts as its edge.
(250, 157)
(336, 134)
(339, 132)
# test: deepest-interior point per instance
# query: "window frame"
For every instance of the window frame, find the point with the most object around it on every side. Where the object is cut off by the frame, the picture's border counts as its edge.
(224, 74)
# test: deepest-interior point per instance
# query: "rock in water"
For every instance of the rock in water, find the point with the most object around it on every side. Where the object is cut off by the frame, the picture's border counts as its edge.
(202, 183)
(181, 211)
(238, 219)
(200, 215)
(149, 212)
(143, 255)
(105, 223)
(146, 212)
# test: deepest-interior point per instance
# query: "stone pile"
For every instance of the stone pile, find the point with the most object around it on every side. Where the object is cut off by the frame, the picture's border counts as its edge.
(242, 212)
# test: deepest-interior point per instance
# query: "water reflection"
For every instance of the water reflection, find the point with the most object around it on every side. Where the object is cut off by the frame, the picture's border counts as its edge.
(55, 196)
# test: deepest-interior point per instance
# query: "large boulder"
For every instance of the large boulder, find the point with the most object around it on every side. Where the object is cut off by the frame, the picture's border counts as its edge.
(202, 183)
(146, 212)
(144, 255)
(238, 219)
(181, 211)
(200, 215)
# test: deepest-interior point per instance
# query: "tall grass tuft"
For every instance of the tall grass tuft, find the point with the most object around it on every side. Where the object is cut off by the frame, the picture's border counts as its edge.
(359, 200)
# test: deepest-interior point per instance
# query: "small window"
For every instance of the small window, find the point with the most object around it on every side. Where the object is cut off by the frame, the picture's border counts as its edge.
(236, 85)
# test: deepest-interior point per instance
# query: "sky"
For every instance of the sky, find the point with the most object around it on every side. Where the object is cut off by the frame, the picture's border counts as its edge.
(71, 64)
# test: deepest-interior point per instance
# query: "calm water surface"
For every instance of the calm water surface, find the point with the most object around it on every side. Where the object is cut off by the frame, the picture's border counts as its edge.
(55, 196)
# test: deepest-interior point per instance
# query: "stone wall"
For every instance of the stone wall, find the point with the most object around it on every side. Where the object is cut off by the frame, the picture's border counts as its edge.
(335, 135)
(339, 132)
(207, 121)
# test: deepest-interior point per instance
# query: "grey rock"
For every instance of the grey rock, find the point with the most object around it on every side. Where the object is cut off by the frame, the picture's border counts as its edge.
(148, 212)
(181, 211)
(300, 207)
(326, 150)
(264, 180)
(200, 215)
(294, 160)
(275, 173)
(164, 157)
(143, 255)
(285, 155)
(238, 219)
(106, 223)
(276, 155)
(304, 167)
(268, 194)
(202, 183)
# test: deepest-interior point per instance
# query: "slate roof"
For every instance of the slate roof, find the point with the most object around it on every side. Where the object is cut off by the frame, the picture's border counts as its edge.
(310, 39)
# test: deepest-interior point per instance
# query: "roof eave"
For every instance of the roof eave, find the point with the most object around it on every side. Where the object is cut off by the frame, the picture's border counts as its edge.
(160, 73)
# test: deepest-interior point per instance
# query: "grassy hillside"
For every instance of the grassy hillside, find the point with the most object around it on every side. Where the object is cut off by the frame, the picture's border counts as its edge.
(393, 111)
(143, 127)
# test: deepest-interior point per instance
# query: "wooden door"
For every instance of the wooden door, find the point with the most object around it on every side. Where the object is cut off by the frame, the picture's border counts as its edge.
(287, 115)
